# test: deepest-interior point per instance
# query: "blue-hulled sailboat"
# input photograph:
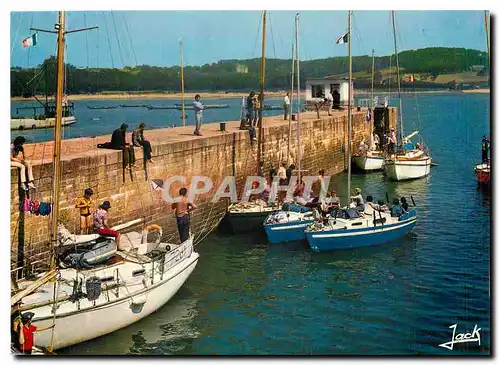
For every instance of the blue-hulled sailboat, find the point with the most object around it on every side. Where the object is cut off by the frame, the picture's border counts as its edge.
(343, 232)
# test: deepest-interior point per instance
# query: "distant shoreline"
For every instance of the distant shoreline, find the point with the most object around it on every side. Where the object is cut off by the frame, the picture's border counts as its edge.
(228, 95)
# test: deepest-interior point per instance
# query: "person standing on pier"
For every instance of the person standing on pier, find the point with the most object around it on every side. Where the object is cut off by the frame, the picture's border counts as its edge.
(198, 113)
(485, 147)
(250, 108)
(17, 159)
(139, 141)
(182, 210)
(256, 110)
(119, 142)
(286, 105)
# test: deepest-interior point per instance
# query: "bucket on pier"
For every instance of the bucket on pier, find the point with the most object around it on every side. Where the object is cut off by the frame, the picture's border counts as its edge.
(294, 116)
(222, 126)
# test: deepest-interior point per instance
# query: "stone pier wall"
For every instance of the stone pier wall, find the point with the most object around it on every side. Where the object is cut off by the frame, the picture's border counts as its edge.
(215, 154)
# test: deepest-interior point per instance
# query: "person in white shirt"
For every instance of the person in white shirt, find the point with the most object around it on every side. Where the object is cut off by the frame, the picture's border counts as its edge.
(363, 148)
(286, 105)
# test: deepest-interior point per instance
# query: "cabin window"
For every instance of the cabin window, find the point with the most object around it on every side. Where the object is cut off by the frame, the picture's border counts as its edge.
(317, 91)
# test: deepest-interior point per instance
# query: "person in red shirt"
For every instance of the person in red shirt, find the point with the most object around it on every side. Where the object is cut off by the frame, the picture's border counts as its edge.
(26, 337)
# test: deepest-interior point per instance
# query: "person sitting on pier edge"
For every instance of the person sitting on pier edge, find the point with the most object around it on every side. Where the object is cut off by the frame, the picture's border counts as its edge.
(286, 105)
(139, 141)
(404, 205)
(182, 210)
(485, 146)
(101, 223)
(396, 209)
(84, 203)
(17, 159)
(119, 142)
(198, 114)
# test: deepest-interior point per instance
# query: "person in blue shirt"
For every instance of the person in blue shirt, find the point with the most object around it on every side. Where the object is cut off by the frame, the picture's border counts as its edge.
(198, 113)
(396, 209)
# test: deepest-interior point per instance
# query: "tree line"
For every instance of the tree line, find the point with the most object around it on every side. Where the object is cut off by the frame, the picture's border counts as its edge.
(224, 75)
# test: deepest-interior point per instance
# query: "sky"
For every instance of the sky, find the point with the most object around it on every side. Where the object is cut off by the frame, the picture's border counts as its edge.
(130, 38)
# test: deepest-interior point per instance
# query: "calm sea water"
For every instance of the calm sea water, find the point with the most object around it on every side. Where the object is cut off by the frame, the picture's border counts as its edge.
(249, 297)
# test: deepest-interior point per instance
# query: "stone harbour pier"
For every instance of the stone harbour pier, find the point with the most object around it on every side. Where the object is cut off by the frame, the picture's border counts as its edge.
(176, 151)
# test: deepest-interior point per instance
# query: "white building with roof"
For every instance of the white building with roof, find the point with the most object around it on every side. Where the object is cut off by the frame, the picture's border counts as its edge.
(319, 88)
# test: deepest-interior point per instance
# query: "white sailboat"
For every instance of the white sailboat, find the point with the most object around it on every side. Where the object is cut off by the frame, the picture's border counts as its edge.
(100, 289)
(371, 159)
(409, 162)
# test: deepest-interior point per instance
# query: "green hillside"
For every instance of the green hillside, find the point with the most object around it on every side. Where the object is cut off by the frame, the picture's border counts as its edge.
(432, 67)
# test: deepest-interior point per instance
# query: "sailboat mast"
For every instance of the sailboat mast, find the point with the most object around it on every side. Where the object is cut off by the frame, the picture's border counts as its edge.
(58, 135)
(291, 105)
(183, 116)
(401, 133)
(373, 75)
(349, 121)
(299, 151)
(487, 35)
(261, 96)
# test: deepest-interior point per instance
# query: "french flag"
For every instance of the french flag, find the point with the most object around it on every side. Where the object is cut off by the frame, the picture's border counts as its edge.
(342, 39)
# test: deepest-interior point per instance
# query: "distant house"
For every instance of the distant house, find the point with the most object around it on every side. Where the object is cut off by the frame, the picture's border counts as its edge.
(477, 68)
(241, 69)
(319, 88)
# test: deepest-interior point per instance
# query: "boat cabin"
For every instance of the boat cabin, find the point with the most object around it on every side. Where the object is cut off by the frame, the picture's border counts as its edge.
(319, 88)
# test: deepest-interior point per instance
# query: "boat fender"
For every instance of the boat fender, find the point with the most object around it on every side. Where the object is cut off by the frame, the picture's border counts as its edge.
(152, 227)
(93, 287)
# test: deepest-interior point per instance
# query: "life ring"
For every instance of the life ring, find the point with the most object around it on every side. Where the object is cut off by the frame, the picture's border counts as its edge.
(152, 227)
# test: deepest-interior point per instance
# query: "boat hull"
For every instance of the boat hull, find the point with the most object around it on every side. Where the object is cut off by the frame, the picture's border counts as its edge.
(286, 232)
(482, 172)
(242, 222)
(30, 123)
(367, 163)
(406, 170)
(109, 316)
(330, 240)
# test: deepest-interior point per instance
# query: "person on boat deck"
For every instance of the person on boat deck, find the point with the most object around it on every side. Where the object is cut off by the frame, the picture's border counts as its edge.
(419, 147)
(119, 142)
(17, 159)
(198, 114)
(381, 206)
(318, 188)
(331, 202)
(182, 210)
(250, 113)
(485, 146)
(26, 331)
(404, 205)
(358, 198)
(363, 148)
(282, 174)
(370, 207)
(289, 171)
(392, 141)
(101, 223)
(396, 209)
(286, 105)
(139, 141)
(374, 142)
(84, 203)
